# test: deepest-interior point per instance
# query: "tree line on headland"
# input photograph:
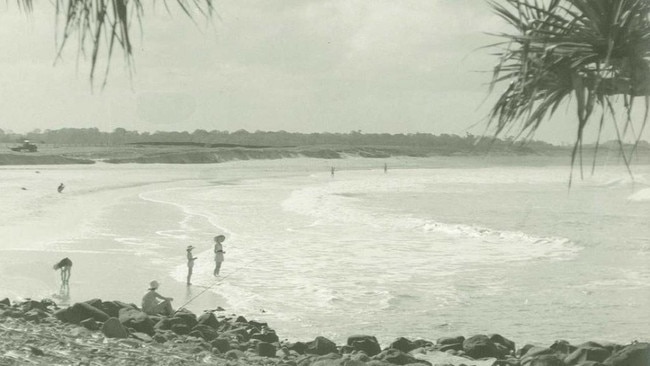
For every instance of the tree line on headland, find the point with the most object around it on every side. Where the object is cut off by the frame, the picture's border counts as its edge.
(121, 136)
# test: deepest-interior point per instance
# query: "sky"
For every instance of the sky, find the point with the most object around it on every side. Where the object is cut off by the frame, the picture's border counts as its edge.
(375, 66)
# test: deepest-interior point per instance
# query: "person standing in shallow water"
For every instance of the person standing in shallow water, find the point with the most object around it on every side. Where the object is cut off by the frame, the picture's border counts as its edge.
(60, 188)
(218, 253)
(190, 264)
(65, 265)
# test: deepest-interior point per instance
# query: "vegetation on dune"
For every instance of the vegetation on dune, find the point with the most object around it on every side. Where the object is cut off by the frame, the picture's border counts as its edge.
(595, 52)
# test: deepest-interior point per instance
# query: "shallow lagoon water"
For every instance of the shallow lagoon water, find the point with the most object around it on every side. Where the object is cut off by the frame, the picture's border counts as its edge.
(429, 249)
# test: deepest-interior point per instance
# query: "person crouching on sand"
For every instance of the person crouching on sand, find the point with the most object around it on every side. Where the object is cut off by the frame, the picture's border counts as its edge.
(190, 264)
(150, 304)
(65, 265)
(218, 253)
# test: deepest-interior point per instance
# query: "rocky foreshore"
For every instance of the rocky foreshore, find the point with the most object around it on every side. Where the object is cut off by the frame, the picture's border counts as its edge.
(97, 332)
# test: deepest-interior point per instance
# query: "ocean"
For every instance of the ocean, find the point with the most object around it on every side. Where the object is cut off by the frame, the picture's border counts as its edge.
(429, 248)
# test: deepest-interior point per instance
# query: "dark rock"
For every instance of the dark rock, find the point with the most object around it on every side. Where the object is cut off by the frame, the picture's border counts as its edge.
(97, 303)
(587, 353)
(208, 319)
(546, 360)
(80, 311)
(221, 344)
(35, 315)
(563, 347)
(112, 328)
(206, 332)
(136, 319)
(32, 304)
(346, 349)
(266, 335)
(330, 359)
(321, 346)
(298, 347)
(636, 354)
(403, 344)
(450, 340)
(480, 346)
(451, 347)
(241, 319)
(257, 325)
(112, 308)
(240, 334)
(5, 302)
(265, 349)
(523, 350)
(90, 324)
(534, 352)
(365, 343)
(180, 329)
(590, 363)
(498, 339)
(398, 357)
(163, 324)
(187, 316)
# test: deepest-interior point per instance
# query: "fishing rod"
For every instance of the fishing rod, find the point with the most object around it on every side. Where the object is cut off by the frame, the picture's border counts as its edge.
(217, 282)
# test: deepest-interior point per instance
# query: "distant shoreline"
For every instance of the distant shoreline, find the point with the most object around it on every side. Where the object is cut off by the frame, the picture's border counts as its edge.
(195, 153)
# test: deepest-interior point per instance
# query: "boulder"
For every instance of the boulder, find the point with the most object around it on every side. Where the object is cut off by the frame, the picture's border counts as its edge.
(112, 328)
(587, 353)
(206, 332)
(450, 340)
(265, 349)
(136, 319)
(112, 308)
(398, 357)
(636, 354)
(546, 360)
(240, 334)
(563, 347)
(142, 336)
(80, 311)
(32, 304)
(534, 352)
(234, 354)
(95, 303)
(403, 344)
(241, 319)
(321, 346)
(451, 347)
(5, 302)
(480, 346)
(208, 319)
(266, 335)
(180, 329)
(90, 324)
(507, 344)
(187, 316)
(35, 315)
(298, 347)
(163, 324)
(221, 344)
(365, 343)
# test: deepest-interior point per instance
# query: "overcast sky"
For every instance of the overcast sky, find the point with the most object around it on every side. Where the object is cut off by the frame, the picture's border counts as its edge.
(307, 66)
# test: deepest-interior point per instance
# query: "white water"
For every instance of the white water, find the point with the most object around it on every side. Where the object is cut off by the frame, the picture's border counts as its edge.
(420, 252)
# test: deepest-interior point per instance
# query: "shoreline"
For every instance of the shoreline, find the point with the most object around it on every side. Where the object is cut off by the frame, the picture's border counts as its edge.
(119, 333)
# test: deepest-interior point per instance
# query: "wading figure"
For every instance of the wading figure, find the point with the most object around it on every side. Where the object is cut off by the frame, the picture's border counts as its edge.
(190, 264)
(218, 253)
(65, 265)
(152, 306)
(60, 188)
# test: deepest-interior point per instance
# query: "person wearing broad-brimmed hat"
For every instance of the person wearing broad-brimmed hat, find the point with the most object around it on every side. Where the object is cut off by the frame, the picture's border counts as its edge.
(218, 253)
(190, 264)
(152, 306)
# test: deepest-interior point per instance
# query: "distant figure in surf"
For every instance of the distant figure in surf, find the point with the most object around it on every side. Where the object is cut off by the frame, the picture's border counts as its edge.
(65, 265)
(61, 188)
(190, 264)
(332, 171)
(218, 253)
(152, 306)
(385, 168)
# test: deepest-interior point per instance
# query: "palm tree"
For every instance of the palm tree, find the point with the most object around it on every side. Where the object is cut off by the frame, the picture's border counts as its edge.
(100, 25)
(596, 52)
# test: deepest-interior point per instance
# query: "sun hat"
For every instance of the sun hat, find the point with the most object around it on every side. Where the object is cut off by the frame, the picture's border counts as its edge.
(189, 247)
(220, 237)
(154, 284)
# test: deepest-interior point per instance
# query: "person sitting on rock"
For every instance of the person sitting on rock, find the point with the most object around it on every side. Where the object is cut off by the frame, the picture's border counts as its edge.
(152, 306)
(65, 265)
